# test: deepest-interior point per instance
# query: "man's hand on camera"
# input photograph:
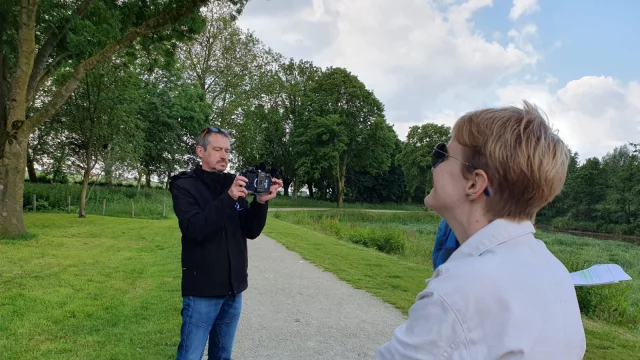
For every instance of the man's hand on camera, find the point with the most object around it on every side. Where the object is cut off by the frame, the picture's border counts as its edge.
(276, 184)
(237, 189)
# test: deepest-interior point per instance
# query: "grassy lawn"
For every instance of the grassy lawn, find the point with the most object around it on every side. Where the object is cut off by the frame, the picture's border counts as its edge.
(108, 288)
(96, 288)
(398, 278)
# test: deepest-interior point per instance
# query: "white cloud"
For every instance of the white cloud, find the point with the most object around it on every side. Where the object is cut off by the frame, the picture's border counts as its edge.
(416, 55)
(523, 7)
(593, 114)
(427, 62)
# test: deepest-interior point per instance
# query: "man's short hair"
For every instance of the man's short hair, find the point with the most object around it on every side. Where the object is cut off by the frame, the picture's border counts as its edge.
(203, 139)
(525, 160)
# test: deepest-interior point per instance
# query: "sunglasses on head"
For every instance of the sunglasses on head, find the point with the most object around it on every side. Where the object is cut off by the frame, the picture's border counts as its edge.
(213, 129)
(441, 153)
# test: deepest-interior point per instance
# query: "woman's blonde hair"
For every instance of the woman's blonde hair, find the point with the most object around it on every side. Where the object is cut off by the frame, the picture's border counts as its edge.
(524, 159)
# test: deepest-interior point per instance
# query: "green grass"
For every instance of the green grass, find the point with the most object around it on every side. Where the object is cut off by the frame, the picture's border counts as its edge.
(108, 288)
(418, 229)
(397, 281)
(95, 288)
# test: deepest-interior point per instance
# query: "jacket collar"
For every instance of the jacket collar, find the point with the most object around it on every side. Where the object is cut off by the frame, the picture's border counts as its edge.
(216, 181)
(497, 232)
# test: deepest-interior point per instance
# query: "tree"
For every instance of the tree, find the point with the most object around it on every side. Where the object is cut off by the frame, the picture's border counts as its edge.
(173, 111)
(560, 207)
(623, 185)
(266, 131)
(344, 128)
(100, 120)
(224, 60)
(74, 35)
(416, 154)
(586, 190)
(387, 187)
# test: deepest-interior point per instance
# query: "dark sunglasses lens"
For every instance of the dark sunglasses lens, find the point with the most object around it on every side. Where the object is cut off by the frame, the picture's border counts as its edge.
(439, 154)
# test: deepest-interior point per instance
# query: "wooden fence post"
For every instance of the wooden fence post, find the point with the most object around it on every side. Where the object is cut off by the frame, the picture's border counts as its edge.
(34, 202)
(69, 205)
(133, 212)
(164, 209)
(104, 206)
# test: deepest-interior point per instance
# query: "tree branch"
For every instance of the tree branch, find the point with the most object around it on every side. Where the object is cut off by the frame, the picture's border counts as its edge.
(48, 47)
(158, 23)
(48, 72)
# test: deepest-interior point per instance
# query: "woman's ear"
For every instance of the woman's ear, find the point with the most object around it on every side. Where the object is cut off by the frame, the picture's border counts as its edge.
(477, 184)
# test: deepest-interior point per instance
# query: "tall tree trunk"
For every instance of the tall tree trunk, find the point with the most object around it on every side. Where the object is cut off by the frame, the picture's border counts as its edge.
(166, 184)
(33, 177)
(296, 188)
(14, 138)
(285, 186)
(108, 172)
(310, 187)
(342, 175)
(148, 178)
(139, 178)
(12, 167)
(340, 192)
(83, 195)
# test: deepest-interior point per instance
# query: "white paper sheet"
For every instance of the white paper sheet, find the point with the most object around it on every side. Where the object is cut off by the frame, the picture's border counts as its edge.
(599, 274)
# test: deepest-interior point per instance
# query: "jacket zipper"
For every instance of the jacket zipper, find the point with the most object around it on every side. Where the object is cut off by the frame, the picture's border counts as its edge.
(224, 236)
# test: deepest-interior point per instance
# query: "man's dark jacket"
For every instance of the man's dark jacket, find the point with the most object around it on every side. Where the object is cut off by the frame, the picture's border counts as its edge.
(214, 229)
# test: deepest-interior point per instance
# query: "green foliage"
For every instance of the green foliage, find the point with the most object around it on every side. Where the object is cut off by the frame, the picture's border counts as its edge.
(600, 196)
(387, 187)
(415, 157)
(343, 127)
(174, 112)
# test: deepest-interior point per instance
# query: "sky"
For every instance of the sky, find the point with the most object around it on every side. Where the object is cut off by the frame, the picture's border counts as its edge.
(434, 60)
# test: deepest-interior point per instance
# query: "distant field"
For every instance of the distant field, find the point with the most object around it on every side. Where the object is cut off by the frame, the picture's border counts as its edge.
(148, 203)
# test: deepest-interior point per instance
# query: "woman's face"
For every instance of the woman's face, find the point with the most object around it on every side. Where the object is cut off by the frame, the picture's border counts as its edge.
(449, 186)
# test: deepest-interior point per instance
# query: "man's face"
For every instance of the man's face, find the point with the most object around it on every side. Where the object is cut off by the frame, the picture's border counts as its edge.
(216, 156)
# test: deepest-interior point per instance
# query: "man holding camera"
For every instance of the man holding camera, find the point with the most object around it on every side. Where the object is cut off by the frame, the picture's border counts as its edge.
(215, 219)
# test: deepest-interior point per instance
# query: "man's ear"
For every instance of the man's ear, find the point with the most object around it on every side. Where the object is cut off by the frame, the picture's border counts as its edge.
(477, 184)
(199, 151)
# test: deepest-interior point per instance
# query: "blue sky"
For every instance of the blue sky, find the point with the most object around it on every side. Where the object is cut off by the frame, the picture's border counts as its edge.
(432, 60)
(596, 36)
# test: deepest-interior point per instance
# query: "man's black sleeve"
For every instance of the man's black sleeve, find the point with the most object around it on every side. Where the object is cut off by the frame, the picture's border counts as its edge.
(195, 223)
(255, 219)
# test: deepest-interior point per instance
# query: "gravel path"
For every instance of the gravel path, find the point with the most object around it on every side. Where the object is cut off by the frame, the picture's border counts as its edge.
(294, 310)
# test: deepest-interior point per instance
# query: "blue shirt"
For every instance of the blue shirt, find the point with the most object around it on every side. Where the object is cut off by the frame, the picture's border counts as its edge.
(446, 244)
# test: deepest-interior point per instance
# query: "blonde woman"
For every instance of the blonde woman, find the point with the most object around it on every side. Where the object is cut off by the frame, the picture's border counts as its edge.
(501, 294)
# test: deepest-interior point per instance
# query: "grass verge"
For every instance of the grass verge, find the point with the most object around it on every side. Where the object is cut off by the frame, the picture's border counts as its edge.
(94, 288)
(397, 282)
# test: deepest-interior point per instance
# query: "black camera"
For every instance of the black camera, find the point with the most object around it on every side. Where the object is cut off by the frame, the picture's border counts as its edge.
(258, 180)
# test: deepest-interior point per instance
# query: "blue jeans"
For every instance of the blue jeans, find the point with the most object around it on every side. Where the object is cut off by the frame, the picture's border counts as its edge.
(212, 318)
